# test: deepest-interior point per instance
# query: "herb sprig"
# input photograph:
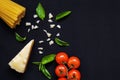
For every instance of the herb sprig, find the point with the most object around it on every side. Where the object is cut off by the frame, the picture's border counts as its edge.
(45, 60)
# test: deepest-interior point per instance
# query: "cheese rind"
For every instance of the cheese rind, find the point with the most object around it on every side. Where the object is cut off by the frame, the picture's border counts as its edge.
(19, 62)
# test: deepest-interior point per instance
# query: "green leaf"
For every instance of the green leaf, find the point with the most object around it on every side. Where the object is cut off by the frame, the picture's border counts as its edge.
(40, 11)
(62, 15)
(40, 67)
(19, 38)
(61, 42)
(48, 58)
(36, 63)
(45, 72)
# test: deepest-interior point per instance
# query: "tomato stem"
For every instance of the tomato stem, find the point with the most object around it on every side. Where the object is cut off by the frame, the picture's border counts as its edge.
(67, 71)
(72, 66)
(61, 71)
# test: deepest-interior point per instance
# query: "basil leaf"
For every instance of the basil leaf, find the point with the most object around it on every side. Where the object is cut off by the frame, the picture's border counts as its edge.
(36, 63)
(62, 15)
(48, 58)
(40, 67)
(45, 72)
(19, 38)
(61, 42)
(40, 11)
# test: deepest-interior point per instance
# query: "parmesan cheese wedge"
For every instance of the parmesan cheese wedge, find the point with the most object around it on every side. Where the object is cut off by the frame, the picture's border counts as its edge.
(19, 62)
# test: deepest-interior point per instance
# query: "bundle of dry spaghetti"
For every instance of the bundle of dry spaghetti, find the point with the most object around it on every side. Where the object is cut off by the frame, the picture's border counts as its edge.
(11, 13)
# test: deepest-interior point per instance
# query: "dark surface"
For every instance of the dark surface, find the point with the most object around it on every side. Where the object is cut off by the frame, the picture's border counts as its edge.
(93, 30)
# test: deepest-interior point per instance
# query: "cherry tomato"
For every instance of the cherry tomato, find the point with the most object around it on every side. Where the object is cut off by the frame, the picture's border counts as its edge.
(61, 58)
(73, 62)
(61, 70)
(62, 78)
(74, 75)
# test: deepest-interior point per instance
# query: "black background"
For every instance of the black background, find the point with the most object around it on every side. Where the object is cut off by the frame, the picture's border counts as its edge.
(92, 30)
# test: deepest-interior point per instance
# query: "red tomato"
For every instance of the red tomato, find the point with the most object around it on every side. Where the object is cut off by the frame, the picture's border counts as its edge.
(61, 70)
(61, 58)
(74, 75)
(62, 78)
(73, 62)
